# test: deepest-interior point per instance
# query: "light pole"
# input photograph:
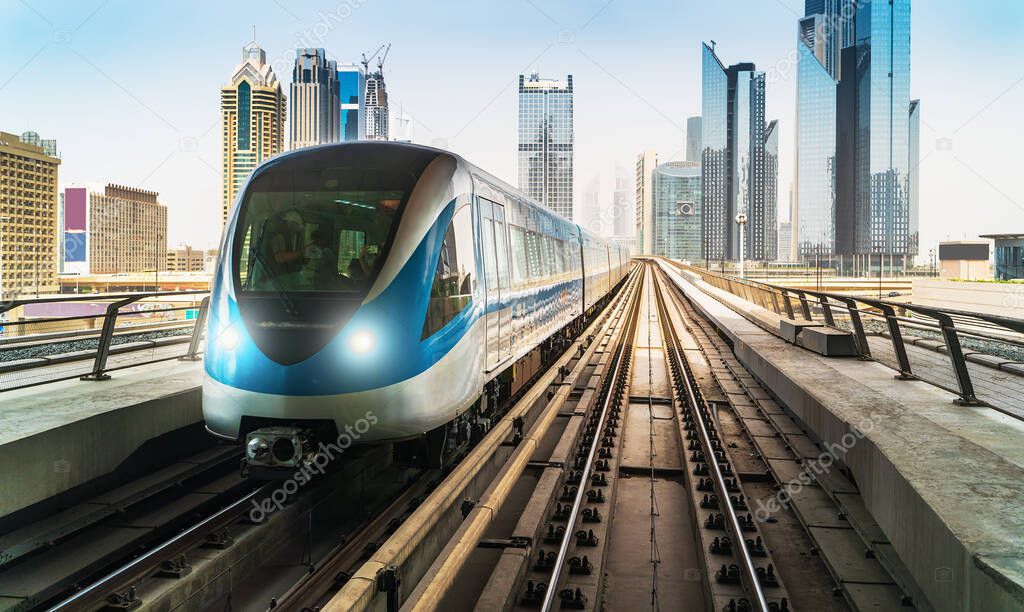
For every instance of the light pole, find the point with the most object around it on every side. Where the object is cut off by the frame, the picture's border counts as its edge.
(741, 220)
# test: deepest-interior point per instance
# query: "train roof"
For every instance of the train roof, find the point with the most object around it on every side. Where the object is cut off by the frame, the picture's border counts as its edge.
(474, 172)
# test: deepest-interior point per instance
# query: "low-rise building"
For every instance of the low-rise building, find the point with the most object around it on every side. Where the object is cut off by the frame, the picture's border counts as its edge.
(964, 259)
(186, 259)
(1009, 250)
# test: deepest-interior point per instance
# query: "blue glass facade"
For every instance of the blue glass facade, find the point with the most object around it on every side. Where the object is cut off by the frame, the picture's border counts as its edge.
(1009, 250)
(882, 167)
(244, 115)
(351, 85)
(739, 173)
(717, 214)
(856, 194)
(816, 157)
(677, 211)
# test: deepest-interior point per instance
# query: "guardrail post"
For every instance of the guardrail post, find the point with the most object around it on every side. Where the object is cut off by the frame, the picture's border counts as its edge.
(197, 332)
(858, 328)
(805, 308)
(775, 302)
(897, 342)
(826, 310)
(788, 304)
(99, 366)
(956, 355)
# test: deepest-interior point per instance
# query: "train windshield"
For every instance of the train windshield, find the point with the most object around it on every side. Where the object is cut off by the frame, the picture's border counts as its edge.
(321, 223)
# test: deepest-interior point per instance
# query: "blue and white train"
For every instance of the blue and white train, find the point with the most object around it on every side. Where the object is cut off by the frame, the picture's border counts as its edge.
(386, 291)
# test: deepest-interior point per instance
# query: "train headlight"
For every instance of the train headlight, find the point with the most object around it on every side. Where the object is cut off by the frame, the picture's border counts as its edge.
(257, 448)
(228, 338)
(362, 342)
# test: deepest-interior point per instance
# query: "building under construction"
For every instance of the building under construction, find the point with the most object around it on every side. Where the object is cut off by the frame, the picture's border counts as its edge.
(376, 97)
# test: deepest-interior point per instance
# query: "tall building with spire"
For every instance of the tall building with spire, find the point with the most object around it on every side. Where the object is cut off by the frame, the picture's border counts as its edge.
(545, 153)
(315, 100)
(739, 162)
(253, 112)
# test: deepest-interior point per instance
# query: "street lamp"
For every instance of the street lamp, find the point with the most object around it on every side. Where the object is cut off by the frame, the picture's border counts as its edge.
(741, 220)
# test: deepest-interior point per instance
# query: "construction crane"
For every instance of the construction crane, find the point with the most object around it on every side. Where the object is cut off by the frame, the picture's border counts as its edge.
(380, 63)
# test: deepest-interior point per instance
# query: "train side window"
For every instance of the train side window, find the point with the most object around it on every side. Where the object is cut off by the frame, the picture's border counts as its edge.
(519, 271)
(452, 289)
(533, 255)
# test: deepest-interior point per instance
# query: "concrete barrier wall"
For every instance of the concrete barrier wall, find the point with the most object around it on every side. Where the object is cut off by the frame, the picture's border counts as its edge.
(56, 437)
(1004, 299)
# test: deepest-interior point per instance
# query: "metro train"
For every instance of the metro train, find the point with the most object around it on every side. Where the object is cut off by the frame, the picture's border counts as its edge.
(392, 288)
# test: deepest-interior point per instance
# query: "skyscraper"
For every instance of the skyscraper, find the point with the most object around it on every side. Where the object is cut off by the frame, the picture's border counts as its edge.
(738, 161)
(646, 162)
(914, 187)
(677, 220)
(827, 28)
(693, 139)
(375, 101)
(351, 83)
(623, 215)
(814, 213)
(545, 156)
(253, 112)
(28, 223)
(315, 100)
(873, 184)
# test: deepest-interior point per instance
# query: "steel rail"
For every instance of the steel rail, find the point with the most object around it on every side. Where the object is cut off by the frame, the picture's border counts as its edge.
(360, 591)
(747, 561)
(613, 381)
(445, 569)
(96, 593)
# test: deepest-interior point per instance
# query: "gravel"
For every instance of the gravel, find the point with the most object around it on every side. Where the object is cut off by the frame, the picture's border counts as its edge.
(16, 352)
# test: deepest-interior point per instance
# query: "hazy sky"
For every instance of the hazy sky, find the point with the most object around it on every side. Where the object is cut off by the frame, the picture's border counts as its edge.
(131, 89)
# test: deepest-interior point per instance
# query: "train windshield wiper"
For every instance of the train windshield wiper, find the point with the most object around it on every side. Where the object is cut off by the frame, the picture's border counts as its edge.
(282, 294)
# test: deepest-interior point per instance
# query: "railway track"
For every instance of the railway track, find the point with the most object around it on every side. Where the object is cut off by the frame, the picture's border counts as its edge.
(639, 496)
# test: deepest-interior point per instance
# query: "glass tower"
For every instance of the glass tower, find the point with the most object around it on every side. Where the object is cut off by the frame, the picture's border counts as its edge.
(815, 202)
(351, 86)
(717, 213)
(881, 139)
(677, 207)
(545, 155)
(693, 139)
(856, 140)
(739, 172)
(914, 189)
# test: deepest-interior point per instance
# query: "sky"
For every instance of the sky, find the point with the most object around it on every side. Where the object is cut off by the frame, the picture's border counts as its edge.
(131, 89)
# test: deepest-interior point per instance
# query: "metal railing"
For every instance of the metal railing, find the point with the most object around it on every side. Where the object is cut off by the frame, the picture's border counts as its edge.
(74, 336)
(949, 324)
